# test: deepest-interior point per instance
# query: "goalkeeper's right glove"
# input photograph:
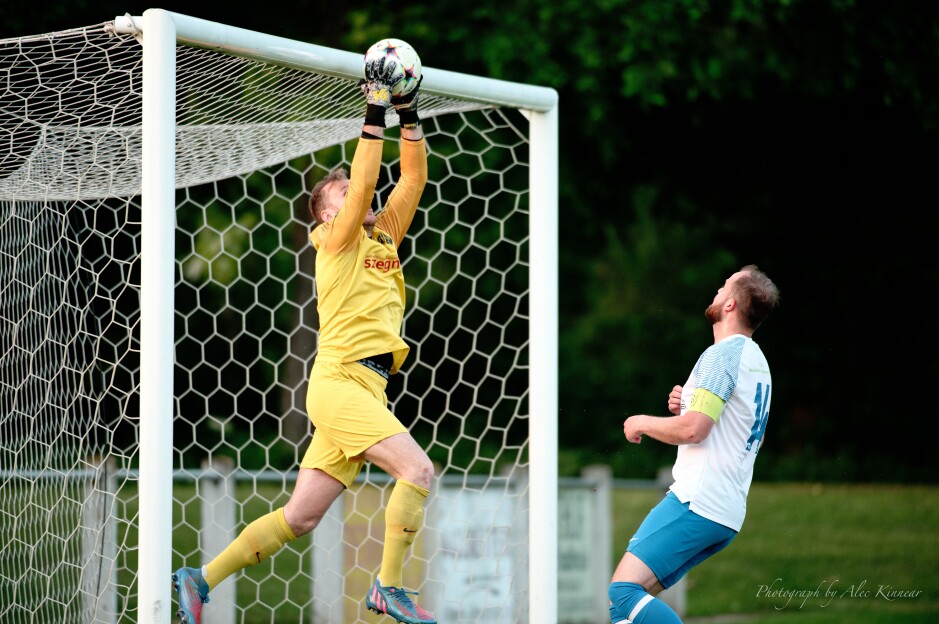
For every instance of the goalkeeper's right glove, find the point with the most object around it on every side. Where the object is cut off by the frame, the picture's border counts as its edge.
(406, 105)
(379, 80)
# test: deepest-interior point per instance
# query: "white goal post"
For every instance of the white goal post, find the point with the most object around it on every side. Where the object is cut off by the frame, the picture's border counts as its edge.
(487, 223)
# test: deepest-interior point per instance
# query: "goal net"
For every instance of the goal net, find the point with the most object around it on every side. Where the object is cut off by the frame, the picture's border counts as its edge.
(257, 122)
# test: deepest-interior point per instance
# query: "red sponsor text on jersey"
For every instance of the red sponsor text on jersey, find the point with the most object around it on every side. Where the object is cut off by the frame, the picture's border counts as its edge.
(382, 264)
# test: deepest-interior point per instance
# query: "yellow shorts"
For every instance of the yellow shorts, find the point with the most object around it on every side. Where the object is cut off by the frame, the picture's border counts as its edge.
(349, 410)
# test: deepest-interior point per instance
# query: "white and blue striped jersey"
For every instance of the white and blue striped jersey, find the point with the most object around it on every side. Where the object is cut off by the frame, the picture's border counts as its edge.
(715, 474)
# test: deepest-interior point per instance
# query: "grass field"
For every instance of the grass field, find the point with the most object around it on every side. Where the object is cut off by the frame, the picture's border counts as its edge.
(827, 554)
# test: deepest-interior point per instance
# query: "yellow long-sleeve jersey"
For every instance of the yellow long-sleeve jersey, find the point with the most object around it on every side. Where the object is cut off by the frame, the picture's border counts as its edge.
(359, 282)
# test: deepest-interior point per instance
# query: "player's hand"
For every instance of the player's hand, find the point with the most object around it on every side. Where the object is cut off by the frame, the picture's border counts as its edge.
(674, 400)
(631, 430)
(379, 80)
(407, 102)
(406, 106)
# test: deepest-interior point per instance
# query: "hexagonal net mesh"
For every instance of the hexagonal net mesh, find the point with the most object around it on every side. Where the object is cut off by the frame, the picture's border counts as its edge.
(252, 139)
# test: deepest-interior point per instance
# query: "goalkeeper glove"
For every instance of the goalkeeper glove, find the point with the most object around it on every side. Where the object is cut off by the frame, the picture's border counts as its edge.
(379, 80)
(406, 105)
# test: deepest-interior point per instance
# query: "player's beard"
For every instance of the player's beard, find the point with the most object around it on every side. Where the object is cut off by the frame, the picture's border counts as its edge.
(714, 312)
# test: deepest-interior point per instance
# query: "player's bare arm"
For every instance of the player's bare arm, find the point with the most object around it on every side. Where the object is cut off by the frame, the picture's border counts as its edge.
(689, 428)
(412, 134)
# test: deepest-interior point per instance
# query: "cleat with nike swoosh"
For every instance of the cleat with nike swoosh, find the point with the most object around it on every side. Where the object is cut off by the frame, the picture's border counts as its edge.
(193, 593)
(396, 602)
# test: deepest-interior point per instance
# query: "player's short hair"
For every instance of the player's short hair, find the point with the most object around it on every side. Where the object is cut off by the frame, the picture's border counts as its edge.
(756, 294)
(317, 194)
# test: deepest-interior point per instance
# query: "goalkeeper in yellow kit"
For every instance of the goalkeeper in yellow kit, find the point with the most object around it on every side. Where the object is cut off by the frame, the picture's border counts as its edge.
(361, 308)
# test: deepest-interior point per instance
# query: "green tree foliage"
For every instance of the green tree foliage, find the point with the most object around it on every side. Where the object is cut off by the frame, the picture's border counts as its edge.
(697, 136)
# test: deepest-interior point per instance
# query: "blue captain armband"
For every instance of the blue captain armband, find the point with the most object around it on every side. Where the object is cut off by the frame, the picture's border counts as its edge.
(707, 403)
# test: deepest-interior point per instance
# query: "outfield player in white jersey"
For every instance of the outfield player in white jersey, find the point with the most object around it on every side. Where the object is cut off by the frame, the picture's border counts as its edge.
(719, 418)
(361, 309)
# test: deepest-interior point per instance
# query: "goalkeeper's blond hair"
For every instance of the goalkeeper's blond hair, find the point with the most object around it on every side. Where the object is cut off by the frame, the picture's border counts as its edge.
(317, 196)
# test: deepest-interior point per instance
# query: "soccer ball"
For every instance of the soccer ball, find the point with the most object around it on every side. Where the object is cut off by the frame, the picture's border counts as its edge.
(408, 63)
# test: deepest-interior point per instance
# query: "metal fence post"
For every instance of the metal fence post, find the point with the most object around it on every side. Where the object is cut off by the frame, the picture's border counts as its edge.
(329, 566)
(99, 543)
(602, 478)
(216, 488)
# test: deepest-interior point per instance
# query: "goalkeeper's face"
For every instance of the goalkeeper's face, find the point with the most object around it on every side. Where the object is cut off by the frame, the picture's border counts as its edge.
(335, 196)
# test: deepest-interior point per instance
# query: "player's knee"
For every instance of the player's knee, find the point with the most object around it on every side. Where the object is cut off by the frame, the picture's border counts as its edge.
(300, 523)
(420, 471)
(300, 526)
(625, 596)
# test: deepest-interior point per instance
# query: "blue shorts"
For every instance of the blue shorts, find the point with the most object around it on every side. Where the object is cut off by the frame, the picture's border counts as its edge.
(673, 539)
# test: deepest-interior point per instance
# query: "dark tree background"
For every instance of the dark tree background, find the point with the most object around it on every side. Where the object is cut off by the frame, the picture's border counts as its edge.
(698, 136)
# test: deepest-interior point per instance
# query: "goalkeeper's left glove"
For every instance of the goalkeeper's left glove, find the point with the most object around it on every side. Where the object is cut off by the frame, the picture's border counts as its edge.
(406, 105)
(379, 80)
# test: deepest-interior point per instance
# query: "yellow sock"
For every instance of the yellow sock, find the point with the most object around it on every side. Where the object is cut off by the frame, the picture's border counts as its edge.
(403, 517)
(258, 541)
